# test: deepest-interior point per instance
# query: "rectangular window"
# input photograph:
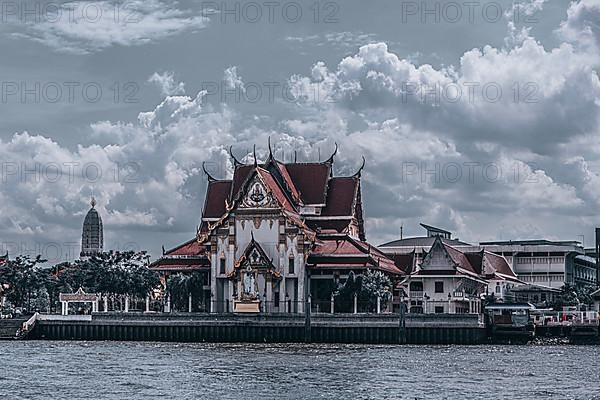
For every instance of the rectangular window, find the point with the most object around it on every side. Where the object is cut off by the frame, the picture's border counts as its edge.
(439, 309)
(439, 287)
(222, 266)
(291, 265)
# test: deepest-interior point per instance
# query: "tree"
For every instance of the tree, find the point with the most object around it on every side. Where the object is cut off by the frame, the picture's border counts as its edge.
(571, 295)
(112, 274)
(21, 278)
(180, 286)
(367, 287)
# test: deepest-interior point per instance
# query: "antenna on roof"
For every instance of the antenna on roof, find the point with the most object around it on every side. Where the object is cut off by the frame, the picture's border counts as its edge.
(210, 178)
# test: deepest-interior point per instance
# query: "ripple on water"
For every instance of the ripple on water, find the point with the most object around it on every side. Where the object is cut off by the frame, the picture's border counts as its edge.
(116, 370)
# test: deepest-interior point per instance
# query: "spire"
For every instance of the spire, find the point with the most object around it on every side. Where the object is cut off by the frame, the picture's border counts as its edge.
(92, 235)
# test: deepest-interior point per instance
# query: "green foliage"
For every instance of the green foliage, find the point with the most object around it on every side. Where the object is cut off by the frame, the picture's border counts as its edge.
(571, 295)
(367, 287)
(21, 278)
(180, 286)
(115, 274)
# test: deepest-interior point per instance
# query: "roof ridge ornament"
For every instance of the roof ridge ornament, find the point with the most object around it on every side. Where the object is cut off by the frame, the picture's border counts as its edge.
(255, 160)
(209, 176)
(271, 157)
(330, 159)
(359, 172)
(93, 202)
(236, 162)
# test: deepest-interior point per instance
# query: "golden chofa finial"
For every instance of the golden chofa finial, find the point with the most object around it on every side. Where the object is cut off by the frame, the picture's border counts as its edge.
(93, 202)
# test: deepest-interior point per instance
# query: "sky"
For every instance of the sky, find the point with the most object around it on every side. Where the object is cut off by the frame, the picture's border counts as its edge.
(478, 117)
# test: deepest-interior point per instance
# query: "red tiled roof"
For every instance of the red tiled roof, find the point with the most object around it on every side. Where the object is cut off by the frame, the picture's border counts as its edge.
(288, 181)
(311, 180)
(337, 251)
(239, 177)
(460, 259)
(189, 248)
(499, 264)
(476, 261)
(275, 189)
(216, 194)
(404, 262)
(340, 196)
(337, 225)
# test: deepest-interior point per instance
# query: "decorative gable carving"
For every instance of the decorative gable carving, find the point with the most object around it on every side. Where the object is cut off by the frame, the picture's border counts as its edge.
(257, 196)
(438, 258)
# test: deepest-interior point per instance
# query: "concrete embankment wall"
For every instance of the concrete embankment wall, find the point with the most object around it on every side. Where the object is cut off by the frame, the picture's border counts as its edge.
(379, 329)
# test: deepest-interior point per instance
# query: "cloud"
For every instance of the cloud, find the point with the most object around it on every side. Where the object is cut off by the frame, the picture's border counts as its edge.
(88, 27)
(233, 80)
(166, 82)
(526, 168)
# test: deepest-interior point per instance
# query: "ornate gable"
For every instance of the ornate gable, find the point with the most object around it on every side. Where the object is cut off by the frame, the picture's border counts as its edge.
(256, 195)
(438, 258)
(254, 258)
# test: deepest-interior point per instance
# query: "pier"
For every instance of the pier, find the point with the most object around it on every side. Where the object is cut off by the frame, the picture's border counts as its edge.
(264, 328)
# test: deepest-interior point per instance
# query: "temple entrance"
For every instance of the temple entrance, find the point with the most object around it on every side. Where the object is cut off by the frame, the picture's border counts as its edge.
(254, 275)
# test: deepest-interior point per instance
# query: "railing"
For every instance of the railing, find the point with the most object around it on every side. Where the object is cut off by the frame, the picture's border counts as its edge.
(567, 318)
(415, 294)
(28, 325)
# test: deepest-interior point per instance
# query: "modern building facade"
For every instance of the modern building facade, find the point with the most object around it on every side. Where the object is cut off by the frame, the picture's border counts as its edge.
(547, 263)
(275, 233)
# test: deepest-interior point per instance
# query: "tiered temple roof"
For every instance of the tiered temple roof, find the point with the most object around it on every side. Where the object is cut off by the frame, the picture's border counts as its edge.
(328, 209)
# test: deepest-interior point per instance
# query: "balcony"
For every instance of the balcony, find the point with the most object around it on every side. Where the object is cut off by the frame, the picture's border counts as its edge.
(416, 294)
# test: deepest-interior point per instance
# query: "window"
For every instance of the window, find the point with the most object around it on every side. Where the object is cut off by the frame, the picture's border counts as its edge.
(439, 309)
(276, 299)
(222, 266)
(291, 265)
(439, 287)
(498, 289)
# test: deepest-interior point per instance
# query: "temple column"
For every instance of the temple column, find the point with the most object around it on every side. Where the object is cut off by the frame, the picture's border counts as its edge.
(332, 303)
(378, 304)
(168, 304)
(190, 303)
(105, 303)
(355, 303)
(127, 304)
(147, 303)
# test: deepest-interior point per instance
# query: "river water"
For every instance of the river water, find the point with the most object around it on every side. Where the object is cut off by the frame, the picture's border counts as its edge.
(134, 370)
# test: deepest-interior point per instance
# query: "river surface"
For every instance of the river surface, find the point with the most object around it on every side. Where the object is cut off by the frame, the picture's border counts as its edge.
(134, 370)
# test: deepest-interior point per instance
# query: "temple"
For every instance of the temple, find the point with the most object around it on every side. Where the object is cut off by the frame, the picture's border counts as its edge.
(275, 233)
(92, 235)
